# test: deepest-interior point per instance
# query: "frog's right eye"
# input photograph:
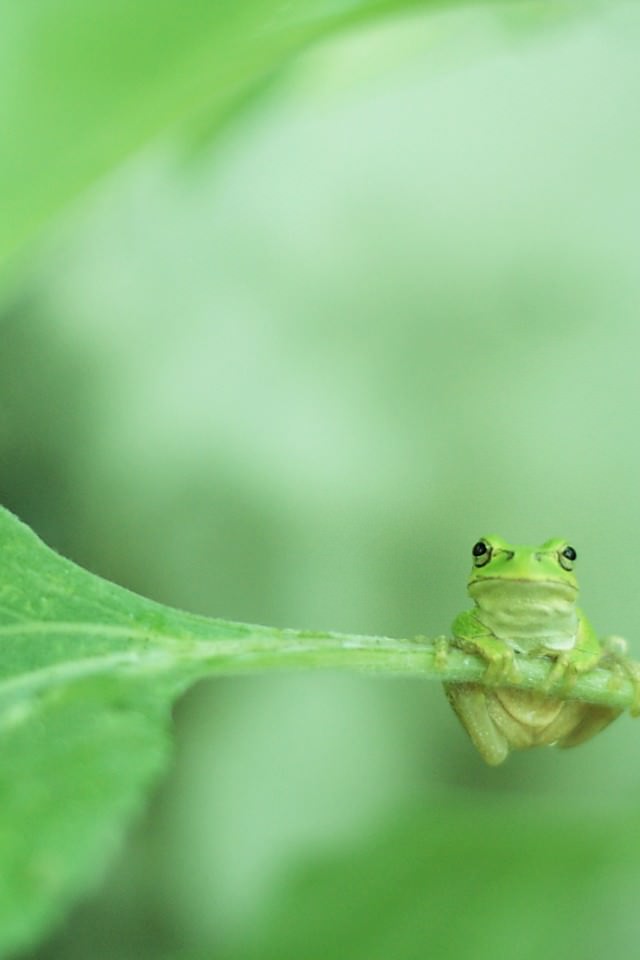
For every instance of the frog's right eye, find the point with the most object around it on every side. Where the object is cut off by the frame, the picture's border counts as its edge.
(481, 553)
(567, 557)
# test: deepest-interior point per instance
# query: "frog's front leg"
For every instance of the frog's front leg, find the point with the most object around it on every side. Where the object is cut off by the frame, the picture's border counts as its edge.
(473, 636)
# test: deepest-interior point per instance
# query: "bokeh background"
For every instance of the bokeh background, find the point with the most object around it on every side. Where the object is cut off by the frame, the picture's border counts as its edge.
(287, 374)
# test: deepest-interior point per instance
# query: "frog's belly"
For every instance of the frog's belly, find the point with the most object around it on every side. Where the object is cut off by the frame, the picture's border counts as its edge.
(530, 719)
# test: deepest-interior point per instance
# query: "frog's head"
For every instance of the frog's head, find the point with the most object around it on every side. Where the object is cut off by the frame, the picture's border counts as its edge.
(500, 566)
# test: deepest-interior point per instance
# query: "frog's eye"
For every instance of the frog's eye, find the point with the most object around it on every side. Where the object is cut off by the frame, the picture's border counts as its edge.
(567, 558)
(481, 553)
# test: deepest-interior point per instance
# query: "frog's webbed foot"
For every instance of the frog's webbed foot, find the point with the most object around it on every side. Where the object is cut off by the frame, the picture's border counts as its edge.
(500, 659)
(568, 666)
(615, 655)
(501, 668)
(441, 646)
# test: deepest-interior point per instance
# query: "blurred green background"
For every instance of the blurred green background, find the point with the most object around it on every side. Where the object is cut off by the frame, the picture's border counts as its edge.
(289, 375)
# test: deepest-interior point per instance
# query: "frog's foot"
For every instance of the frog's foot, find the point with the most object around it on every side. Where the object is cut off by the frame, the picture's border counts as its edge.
(633, 672)
(614, 647)
(615, 659)
(501, 665)
(568, 667)
(558, 673)
(441, 647)
(615, 654)
(498, 656)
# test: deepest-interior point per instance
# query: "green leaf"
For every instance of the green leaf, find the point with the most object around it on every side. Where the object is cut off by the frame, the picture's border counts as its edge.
(75, 758)
(81, 87)
(87, 677)
(464, 880)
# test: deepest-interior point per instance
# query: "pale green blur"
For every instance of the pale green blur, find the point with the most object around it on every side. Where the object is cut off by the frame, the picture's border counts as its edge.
(289, 378)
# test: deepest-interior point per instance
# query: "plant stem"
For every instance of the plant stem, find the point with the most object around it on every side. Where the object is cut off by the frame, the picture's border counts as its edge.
(239, 648)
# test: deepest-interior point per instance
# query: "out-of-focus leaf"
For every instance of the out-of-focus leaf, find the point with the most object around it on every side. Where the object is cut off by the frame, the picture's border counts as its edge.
(87, 676)
(465, 881)
(82, 86)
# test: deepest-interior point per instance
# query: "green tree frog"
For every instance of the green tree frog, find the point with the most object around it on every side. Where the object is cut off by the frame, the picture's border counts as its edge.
(525, 603)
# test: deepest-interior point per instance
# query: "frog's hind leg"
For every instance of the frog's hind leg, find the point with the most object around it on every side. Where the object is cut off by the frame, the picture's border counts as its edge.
(594, 719)
(469, 700)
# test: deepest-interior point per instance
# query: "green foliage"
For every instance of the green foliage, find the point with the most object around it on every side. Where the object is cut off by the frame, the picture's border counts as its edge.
(289, 380)
(83, 730)
(422, 885)
(89, 673)
(81, 88)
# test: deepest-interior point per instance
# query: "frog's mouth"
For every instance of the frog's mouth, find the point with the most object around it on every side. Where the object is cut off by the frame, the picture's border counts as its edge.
(519, 594)
(561, 587)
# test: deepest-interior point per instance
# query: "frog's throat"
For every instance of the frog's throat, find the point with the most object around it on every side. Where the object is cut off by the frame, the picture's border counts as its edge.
(529, 615)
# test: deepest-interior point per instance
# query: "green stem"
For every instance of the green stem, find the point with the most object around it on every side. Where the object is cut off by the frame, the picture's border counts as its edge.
(59, 623)
(162, 639)
(227, 647)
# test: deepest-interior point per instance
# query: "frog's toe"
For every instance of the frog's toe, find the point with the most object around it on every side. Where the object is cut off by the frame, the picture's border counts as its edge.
(615, 647)
(441, 652)
(623, 668)
(634, 709)
(633, 673)
(557, 673)
(501, 668)
(568, 667)
(570, 676)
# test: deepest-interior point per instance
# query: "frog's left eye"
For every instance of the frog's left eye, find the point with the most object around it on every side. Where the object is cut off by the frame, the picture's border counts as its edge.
(567, 558)
(481, 553)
